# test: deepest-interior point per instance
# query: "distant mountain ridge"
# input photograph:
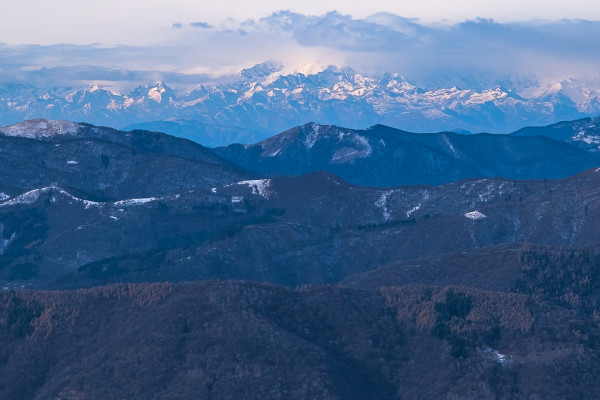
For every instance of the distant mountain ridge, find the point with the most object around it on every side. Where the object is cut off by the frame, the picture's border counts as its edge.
(265, 100)
(102, 164)
(377, 156)
(383, 156)
(583, 133)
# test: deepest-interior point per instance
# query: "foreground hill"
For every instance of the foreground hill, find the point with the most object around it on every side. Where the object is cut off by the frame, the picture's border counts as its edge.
(564, 276)
(225, 340)
(383, 156)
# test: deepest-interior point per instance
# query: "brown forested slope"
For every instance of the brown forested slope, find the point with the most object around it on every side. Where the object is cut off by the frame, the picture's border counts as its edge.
(227, 340)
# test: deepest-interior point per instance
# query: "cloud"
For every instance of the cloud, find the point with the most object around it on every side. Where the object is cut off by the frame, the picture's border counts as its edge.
(120, 67)
(204, 25)
(386, 42)
(437, 54)
(342, 32)
(402, 45)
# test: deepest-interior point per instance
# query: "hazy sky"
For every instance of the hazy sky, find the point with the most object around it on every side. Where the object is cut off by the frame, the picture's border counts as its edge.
(144, 22)
(136, 41)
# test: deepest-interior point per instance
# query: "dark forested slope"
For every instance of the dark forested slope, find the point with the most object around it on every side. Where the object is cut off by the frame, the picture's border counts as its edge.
(232, 339)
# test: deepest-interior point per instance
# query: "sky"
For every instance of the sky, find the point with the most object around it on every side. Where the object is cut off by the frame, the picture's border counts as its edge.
(146, 22)
(188, 41)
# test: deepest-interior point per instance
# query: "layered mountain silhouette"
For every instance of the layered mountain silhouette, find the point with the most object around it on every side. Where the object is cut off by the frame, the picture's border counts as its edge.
(484, 287)
(167, 208)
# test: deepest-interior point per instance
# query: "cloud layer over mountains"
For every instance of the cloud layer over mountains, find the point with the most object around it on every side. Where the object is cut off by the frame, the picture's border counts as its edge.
(199, 51)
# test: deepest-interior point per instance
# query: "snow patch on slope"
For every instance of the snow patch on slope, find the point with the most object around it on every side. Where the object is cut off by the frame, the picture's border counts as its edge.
(489, 192)
(497, 356)
(41, 128)
(412, 210)
(134, 202)
(449, 145)
(26, 198)
(261, 187)
(582, 136)
(474, 215)
(382, 203)
(5, 243)
(32, 196)
(364, 145)
(312, 136)
(346, 154)
(274, 153)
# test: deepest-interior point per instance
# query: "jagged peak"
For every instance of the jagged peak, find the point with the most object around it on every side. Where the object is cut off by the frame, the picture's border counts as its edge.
(156, 91)
(159, 85)
(261, 70)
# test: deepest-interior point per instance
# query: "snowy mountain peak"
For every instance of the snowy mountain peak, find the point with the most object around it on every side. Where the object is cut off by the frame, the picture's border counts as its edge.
(157, 91)
(261, 70)
(41, 128)
(267, 99)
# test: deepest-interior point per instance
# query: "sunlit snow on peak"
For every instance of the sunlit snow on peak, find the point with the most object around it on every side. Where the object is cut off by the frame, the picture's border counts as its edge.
(156, 93)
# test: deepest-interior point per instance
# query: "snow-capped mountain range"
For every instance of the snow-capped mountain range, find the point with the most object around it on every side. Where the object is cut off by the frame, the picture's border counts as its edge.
(265, 100)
